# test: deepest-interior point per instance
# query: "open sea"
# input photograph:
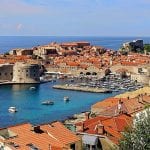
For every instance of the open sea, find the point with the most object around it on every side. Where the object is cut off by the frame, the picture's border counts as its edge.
(9, 42)
(28, 102)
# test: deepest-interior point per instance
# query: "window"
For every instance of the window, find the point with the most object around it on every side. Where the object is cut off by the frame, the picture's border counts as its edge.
(90, 147)
(93, 147)
(140, 70)
(72, 146)
(87, 147)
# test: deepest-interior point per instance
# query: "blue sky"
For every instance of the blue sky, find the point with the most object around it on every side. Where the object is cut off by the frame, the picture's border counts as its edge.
(75, 17)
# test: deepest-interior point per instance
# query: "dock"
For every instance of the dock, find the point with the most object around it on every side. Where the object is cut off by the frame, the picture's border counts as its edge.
(82, 88)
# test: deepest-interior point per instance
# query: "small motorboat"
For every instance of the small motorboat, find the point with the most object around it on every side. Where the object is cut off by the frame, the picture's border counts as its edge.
(71, 80)
(48, 102)
(66, 99)
(115, 90)
(12, 109)
(32, 88)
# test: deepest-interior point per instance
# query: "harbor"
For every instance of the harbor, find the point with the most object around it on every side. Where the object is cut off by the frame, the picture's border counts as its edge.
(81, 88)
(64, 97)
(106, 84)
(29, 103)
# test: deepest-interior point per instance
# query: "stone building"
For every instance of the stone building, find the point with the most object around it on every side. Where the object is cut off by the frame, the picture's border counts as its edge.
(26, 73)
(21, 51)
(142, 76)
(79, 44)
(82, 44)
(6, 72)
(135, 45)
(44, 51)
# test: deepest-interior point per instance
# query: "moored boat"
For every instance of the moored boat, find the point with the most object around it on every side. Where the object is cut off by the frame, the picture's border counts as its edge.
(115, 90)
(12, 109)
(48, 102)
(32, 88)
(66, 99)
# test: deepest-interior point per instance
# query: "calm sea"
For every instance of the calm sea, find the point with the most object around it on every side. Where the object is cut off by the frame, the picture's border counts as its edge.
(28, 102)
(29, 106)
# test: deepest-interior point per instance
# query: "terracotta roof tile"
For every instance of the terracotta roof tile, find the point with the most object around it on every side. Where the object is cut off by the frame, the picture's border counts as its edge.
(112, 125)
(54, 135)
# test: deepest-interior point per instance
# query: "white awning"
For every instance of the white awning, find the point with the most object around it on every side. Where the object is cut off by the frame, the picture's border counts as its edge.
(90, 139)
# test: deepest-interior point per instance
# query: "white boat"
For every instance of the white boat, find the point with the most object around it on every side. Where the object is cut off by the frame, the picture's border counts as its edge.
(115, 90)
(122, 88)
(66, 99)
(48, 102)
(12, 109)
(32, 88)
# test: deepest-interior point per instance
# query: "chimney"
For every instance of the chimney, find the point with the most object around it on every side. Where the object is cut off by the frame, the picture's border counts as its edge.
(82, 127)
(120, 106)
(36, 129)
(87, 115)
(100, 129)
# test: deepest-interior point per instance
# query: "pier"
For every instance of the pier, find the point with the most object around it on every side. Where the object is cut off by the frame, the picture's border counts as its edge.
(82, 88)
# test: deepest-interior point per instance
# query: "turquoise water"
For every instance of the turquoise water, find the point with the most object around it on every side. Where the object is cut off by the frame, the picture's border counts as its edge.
(28, 103)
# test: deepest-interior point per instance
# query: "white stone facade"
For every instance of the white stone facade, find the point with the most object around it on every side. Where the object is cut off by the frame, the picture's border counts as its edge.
(6, 72)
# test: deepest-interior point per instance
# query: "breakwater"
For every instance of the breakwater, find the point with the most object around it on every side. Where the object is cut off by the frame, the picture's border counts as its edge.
(82, 88)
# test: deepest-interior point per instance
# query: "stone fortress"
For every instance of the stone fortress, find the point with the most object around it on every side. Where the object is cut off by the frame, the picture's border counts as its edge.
(20, 73)
(135, 46)
(6, 72)
(26, 73)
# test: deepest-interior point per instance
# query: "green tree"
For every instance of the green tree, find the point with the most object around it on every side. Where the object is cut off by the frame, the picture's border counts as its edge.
(147, 47)
(137, 137)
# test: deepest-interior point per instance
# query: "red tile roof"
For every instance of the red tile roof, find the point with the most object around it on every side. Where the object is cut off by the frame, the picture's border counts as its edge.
(130, 106)
(112, 125)
(54, 135)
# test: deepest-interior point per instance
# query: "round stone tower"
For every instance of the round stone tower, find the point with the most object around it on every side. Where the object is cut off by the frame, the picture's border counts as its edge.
(26, 73)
